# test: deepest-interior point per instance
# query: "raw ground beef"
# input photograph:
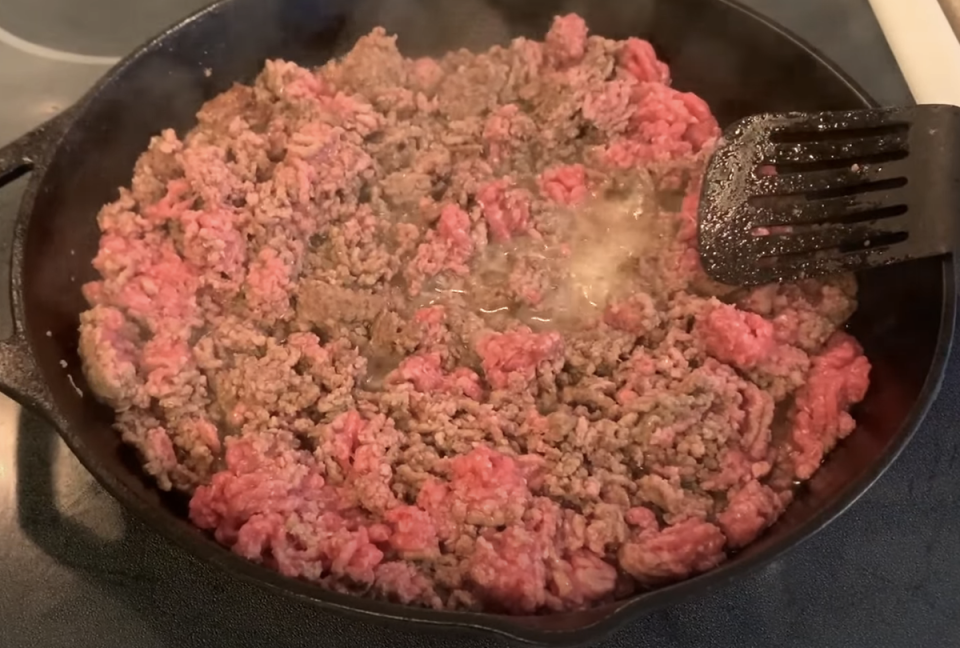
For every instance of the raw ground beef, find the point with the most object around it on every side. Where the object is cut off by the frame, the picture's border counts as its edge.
(436, 331)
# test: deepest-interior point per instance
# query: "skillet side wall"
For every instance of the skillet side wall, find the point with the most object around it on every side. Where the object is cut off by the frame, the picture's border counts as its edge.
(739, 64)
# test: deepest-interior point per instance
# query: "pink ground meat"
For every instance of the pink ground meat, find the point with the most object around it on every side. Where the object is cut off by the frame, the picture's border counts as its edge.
(838, 378)
(678, 551)
(505, 209)
(565, 185)
(751, 509)
(738, 338)
(512, 358)
(436, 331)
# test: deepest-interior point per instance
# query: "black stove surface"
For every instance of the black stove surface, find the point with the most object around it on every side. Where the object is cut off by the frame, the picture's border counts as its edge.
(76, 570)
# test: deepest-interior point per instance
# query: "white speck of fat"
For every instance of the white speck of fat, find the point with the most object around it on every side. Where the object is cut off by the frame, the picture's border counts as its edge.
(63, 363)
(49, 333)
(74, 385)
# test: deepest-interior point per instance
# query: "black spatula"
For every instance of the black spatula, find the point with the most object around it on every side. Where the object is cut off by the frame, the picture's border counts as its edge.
(794, 195)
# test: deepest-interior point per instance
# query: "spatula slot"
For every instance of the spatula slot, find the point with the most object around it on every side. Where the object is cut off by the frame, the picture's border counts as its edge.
(782, 212)
(789, 241)
(856, 189)
(803, 157)
(827, 130)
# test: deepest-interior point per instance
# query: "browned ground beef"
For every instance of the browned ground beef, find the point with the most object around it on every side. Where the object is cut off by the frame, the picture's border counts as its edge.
(436, 330)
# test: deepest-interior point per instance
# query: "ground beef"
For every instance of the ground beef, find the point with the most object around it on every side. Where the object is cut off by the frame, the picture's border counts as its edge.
(436, 331)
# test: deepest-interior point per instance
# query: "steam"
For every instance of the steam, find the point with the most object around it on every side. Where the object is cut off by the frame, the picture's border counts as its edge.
(428, 28)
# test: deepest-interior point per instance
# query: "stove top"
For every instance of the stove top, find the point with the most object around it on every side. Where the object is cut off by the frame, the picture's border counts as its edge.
(75, 569)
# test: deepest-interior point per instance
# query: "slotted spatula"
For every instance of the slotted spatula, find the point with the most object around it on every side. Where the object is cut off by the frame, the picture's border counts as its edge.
(794, 195)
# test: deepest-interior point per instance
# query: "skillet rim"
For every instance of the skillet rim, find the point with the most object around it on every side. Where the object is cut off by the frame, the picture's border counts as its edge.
(201, 547)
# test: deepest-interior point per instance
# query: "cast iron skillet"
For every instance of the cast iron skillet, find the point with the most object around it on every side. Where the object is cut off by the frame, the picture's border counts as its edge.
(733, 58)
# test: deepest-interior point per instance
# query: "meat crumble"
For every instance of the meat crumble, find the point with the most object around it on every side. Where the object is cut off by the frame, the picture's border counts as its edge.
(436, 331)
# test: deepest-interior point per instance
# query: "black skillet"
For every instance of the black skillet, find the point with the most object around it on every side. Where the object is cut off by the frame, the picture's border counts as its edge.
(737, 61)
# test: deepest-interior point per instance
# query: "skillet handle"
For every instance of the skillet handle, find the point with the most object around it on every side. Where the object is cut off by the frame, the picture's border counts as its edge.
(20, 156)
(20, 376)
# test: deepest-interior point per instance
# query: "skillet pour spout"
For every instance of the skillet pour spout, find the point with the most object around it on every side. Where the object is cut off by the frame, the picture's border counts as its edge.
(733, 58)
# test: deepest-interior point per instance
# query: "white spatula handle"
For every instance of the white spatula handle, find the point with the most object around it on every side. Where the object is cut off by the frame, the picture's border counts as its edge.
(925, 46)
